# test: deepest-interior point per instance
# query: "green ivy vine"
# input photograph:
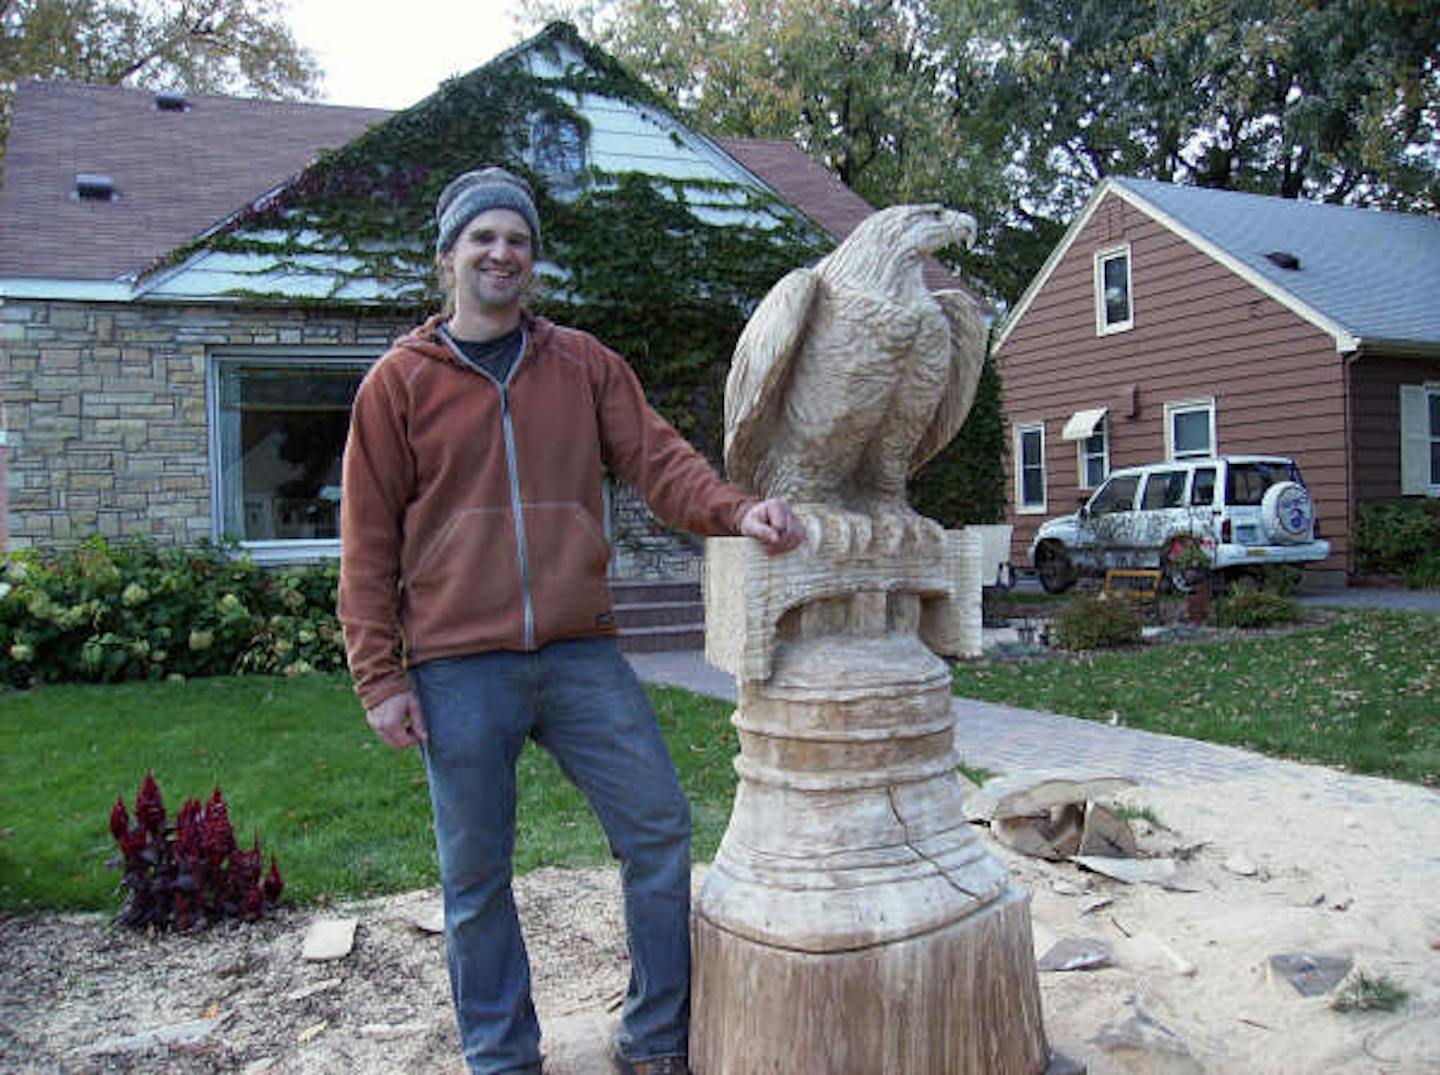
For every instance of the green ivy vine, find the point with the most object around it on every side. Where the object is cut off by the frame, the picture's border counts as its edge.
(639, 264)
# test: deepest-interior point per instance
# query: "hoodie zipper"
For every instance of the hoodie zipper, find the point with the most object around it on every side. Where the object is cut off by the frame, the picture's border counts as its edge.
(512, 464)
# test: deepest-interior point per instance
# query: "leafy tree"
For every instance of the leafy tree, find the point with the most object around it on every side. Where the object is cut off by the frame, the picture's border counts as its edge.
(201, 46)
(1336, 100)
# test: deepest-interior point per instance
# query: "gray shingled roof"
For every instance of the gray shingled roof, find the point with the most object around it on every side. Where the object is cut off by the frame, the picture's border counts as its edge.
(176, 173)
(1375, 274)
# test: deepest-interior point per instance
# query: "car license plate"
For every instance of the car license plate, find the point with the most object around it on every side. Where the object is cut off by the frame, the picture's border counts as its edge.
(1257, 554)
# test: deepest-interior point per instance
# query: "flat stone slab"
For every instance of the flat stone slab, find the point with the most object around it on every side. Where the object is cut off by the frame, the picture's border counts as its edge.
(1161, 872)
(329, 938)
(1076, 953)
(192, 1030)
(1312, 974)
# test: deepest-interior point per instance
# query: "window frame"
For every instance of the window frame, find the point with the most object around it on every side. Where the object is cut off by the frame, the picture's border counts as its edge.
(218, 363)
(1103, 326)
(1189, 406)
(1018, 434)
(1432, 397)
(1083, 456)
(1419, 440)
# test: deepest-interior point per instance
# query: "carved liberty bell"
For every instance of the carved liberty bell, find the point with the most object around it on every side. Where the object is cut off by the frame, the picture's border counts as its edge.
(852, 923)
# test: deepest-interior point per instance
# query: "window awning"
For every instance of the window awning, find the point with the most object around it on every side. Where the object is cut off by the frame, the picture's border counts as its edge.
(1082, 424)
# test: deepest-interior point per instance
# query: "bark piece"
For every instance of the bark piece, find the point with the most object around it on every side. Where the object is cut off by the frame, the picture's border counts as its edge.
(1052, 836)
(1106, 833)
(1034, 792)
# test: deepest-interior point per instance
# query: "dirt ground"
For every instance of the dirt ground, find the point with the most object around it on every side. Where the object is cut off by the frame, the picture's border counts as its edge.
(1305, 860)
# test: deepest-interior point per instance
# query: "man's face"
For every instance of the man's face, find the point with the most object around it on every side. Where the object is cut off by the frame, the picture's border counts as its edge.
(491, 262)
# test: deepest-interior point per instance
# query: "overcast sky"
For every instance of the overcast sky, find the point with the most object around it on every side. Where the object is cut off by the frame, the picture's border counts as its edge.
(392, 53)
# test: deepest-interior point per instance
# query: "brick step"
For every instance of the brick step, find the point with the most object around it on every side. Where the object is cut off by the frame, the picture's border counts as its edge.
(640, 591)
(662, 639)
(657, 616)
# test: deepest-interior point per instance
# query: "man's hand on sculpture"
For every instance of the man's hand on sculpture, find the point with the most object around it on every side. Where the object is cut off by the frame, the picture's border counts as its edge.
(398, 721)
(774, 525)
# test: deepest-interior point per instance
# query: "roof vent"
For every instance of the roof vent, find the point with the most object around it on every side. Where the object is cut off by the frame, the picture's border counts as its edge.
(172, 101)
(95, 188)
(1284, 259)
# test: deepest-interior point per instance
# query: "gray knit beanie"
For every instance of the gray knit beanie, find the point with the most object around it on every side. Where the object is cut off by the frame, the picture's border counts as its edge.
(468, 195)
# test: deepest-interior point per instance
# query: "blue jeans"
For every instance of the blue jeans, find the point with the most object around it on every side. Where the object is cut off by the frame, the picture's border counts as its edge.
(581, 701)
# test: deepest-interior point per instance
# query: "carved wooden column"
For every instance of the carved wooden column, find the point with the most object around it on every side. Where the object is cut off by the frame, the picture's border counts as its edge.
(852, 922)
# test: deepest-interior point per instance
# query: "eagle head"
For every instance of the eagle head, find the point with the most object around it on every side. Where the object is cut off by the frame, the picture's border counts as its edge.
(888, 245)
(928, 228)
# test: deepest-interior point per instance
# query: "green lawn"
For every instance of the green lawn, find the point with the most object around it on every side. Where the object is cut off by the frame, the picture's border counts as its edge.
(1361, 693)
(343, 814)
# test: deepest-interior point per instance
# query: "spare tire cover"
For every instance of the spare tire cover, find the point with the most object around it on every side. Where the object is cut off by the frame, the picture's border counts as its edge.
(1287, 512)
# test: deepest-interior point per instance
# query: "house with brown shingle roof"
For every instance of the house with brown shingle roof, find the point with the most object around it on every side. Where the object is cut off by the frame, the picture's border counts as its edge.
(184, 321)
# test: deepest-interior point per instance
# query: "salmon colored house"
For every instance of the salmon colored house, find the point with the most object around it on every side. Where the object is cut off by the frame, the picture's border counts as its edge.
(1173, 322)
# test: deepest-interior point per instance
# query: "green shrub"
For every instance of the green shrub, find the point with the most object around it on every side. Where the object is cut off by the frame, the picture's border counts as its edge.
(131, 610)
(1400, 537)
(1248, 607)
(1097, 623)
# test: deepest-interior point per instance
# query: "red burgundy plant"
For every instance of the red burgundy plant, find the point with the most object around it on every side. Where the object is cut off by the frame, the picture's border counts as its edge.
(191, 874)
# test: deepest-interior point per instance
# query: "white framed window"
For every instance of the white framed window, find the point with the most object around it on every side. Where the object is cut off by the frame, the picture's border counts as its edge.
(278, 423)
(1420, 439)
(1114, 310)
(1029, 459)
(1090, 430)
(1190, 429)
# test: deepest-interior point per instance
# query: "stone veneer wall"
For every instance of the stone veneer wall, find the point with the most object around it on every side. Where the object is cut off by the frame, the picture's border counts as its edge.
(644, 548)
(106, 426)
(105, 410)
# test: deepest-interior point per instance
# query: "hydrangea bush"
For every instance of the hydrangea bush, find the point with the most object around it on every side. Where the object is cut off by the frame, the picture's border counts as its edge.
(107, 612)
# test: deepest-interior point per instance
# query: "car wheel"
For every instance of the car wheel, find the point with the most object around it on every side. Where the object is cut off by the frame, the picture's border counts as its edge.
(1287, 513)
(1052, 564)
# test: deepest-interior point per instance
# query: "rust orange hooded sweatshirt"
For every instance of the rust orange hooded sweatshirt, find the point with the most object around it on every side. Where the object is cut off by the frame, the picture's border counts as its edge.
(472, 517)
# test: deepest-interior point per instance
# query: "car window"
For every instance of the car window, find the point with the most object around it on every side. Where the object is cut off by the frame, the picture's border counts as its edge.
(1245, 483)
(1118, 494)
(1203, 491)
(1164, 489)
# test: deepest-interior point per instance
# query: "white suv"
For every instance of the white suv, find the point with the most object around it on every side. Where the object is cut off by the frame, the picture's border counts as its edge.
(1240, 511)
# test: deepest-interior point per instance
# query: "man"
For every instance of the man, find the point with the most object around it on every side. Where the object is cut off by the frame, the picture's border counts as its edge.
(472, 542)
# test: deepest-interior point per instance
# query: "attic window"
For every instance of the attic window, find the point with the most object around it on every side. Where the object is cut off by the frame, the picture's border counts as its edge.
(1283, 259)
(95, 188)
(557, 152)
(172, 101)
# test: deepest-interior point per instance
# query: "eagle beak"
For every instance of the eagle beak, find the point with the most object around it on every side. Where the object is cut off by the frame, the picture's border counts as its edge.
(963, 227)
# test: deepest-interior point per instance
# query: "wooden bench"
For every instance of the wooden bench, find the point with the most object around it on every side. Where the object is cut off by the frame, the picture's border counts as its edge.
(1141, 585)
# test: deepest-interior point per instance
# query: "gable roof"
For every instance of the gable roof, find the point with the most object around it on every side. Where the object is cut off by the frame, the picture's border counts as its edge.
(181, 174)
(175, 173)
(1366, 277)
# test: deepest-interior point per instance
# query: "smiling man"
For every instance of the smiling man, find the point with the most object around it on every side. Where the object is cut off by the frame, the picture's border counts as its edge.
(476, 612)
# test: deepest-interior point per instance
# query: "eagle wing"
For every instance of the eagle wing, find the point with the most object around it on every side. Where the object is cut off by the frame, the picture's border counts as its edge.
(968, 342)
(763, 355)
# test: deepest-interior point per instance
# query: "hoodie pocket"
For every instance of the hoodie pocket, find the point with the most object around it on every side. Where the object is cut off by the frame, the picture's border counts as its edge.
(568, 561)
(463, 592)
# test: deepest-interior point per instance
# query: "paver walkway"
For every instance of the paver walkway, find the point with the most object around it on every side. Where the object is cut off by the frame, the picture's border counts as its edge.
(1004, 738)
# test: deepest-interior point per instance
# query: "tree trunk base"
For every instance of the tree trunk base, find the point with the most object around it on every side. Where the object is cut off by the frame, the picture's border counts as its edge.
(961, 1000)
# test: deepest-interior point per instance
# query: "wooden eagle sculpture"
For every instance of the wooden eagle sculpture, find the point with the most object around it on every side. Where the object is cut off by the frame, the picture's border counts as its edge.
(849, 376)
